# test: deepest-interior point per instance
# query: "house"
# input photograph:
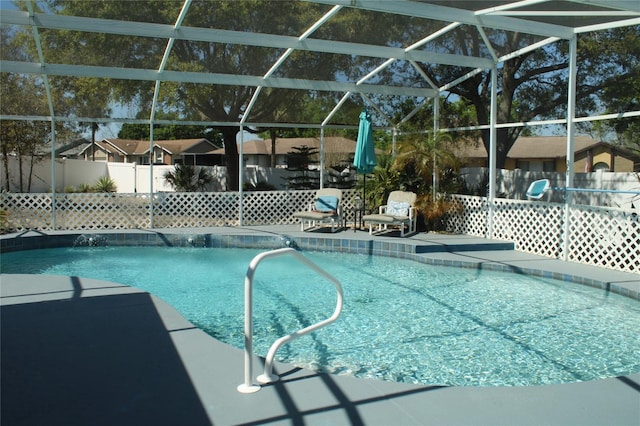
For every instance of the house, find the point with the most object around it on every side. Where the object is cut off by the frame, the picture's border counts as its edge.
(549, 154)
(258, 152)
(181, 151)
(70, 149)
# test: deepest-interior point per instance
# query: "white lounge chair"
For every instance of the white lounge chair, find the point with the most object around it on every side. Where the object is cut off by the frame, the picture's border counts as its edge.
(400, 210)
(326, 208)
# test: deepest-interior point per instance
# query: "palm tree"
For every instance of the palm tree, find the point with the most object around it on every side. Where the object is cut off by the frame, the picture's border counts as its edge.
(384, 179)
(426, 155)
(421, 158)
(187, 178)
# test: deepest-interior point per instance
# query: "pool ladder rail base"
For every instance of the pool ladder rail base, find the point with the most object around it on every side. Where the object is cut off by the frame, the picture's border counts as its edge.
(268, 377)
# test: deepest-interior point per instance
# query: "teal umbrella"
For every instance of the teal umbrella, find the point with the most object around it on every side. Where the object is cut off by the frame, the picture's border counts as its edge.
(365, 157)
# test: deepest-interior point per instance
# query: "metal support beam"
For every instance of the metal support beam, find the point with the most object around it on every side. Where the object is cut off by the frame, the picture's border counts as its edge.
(154, 104)
(47, 88)
(321, 157)
(492, 149)
(284, 57)
(241, 177)
(140, 74)
(151, 148)
(571, 112)
(207, 35)
(436, 125)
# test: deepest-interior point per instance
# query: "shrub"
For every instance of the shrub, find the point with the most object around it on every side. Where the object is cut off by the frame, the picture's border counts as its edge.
(187, 178)
(85, 187)
(105, 184)
(435, 211)
(4, 214)
(260, 186)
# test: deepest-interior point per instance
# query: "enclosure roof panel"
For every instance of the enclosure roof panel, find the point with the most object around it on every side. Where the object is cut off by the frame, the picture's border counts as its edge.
(545, 21)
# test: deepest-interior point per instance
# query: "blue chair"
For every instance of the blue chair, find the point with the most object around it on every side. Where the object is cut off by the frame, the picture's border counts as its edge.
(326, 208)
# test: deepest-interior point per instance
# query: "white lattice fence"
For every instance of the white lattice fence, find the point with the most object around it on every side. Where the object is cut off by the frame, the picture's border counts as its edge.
(170, 210)
(471, 219)
(607, 237)
(274, 207)
(27, 211)
(278, 207)
(534, 227)
(101, 211)
(195, 209)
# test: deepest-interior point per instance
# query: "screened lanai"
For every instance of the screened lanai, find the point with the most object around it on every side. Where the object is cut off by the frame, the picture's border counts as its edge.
(159, 68)
(395, 44)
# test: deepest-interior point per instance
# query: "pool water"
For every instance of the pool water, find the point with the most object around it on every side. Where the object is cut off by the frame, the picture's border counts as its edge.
(402, 321)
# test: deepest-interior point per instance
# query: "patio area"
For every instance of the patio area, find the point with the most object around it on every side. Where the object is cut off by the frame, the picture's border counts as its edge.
(82, 351)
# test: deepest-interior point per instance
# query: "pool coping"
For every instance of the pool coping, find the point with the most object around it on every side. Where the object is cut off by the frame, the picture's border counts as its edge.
(436, 249)
(211, 370)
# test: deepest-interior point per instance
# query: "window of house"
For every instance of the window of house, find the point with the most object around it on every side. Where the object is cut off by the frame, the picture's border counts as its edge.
(537, 166)
(601, 166)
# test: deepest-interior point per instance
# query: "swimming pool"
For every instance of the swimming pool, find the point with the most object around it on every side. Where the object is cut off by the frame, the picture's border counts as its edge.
(403, 321)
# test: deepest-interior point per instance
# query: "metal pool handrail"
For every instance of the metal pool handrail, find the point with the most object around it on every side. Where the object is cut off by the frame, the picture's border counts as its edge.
(539, 187)
(267, 376)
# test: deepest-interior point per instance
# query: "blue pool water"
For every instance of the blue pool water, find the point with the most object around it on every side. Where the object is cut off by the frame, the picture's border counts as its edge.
(402, 321)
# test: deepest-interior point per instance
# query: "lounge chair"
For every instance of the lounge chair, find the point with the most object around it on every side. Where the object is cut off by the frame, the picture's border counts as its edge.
(538, 188)
(326, 208)
(400, 210)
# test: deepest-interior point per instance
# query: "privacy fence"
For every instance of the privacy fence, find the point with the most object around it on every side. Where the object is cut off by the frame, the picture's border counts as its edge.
(601, 236)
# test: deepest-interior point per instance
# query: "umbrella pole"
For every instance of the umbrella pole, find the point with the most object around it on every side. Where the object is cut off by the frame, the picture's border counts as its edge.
(364, 192)
(364, 198)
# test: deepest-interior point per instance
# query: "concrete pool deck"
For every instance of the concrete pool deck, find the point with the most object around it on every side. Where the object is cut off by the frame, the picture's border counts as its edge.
(82, 351)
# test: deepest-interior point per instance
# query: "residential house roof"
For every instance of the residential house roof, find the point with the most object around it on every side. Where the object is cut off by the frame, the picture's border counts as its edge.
(71, 149)
(535, 147)
(332, 144)
(138, 147)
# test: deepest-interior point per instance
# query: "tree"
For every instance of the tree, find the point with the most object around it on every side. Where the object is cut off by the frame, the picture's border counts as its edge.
(312, 108)
(384, 179)
(21, 95)
(531, 85)
(168, 131)
(426, 155)
(187, 178)
(299, 161)
(79, 96)
(25, 140)
(218, 103)
(534, 85)
(622, 47)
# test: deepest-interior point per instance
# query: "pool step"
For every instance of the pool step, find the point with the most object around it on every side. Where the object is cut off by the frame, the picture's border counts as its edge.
(455, 248)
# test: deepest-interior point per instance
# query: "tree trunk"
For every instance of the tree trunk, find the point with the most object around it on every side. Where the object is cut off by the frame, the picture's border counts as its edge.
(5, 159)
(30, 179)
(231, 157)
(20, 177)
(272, 133)
(94, 129)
